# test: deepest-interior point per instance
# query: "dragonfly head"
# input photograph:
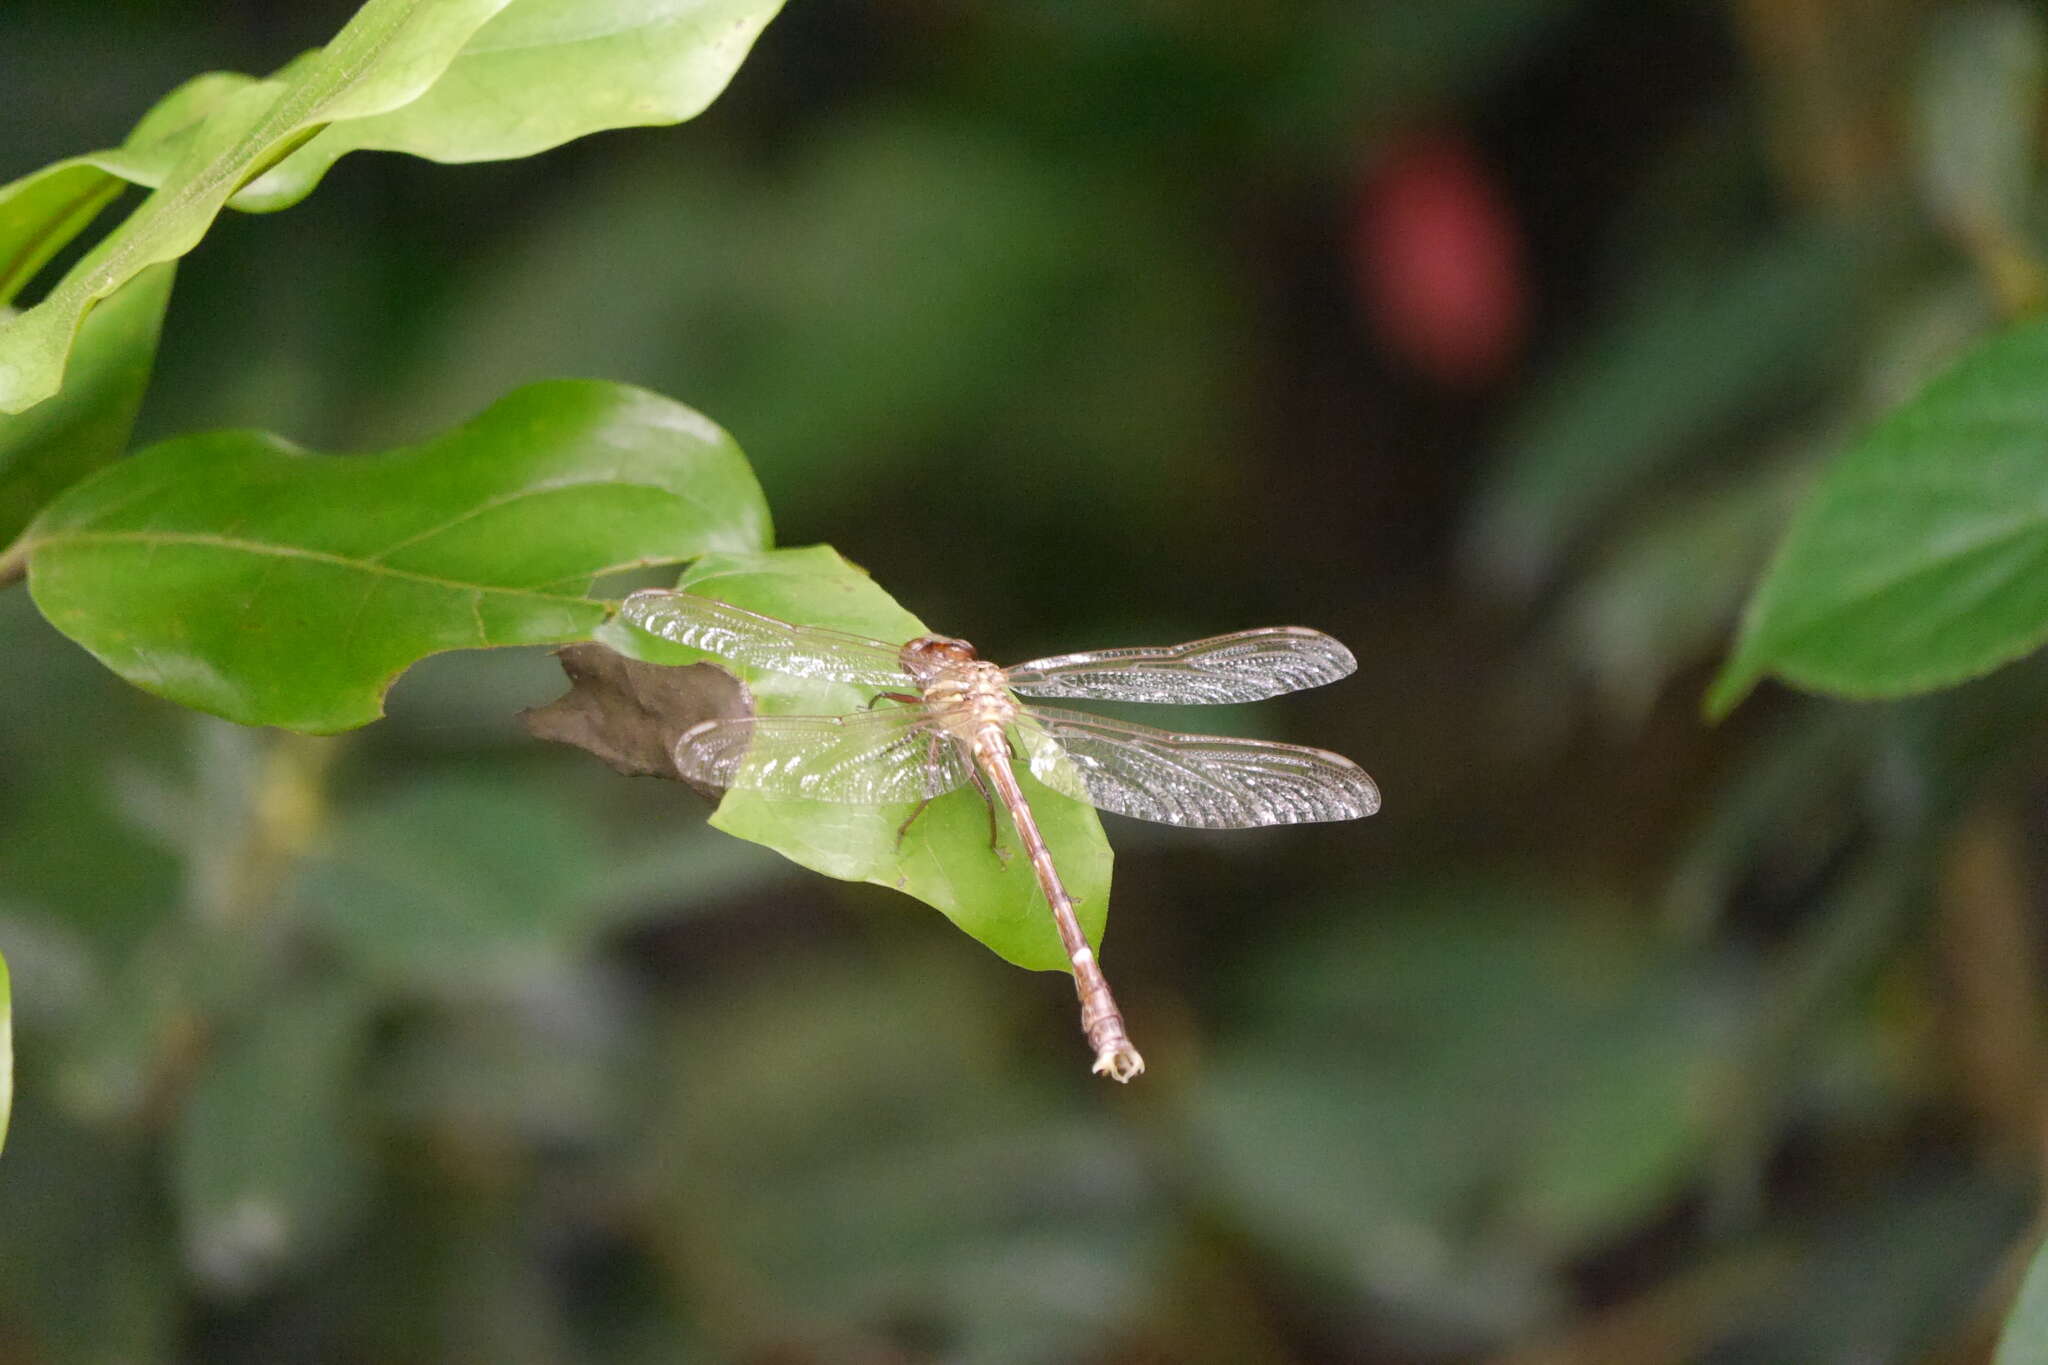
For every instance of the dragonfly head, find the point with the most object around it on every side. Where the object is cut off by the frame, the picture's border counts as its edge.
(927, 655)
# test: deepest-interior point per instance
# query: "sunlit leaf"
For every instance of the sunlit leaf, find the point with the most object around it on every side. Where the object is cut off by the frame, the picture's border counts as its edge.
(945, 860)
(1918, 560)
(454, 80)
(53, 445)
(385, 56)
(45, 209)
(236, 574)
(42, 211)
(539, 74)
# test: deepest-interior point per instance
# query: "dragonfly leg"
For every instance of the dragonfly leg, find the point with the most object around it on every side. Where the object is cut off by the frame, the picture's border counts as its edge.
(995, 840)
(890, 696)
(995, 834)
(903, 830)
(931, 767)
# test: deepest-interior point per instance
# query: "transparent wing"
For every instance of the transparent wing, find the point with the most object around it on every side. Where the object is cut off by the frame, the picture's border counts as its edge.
(758, 641)
(1204, 781)
(1247, 666)
(869, 758)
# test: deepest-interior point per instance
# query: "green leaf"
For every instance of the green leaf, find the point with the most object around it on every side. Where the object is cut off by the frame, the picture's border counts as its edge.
(2025, 1341)
(1921, 559)
(453, 80)
(945, 860)
(540, 74)
(43, 210)
(6, 1051)
(234, 573)
(387, 55)
(52, 446)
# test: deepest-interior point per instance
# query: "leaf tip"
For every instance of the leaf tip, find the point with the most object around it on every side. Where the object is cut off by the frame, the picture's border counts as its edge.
(1735, 682)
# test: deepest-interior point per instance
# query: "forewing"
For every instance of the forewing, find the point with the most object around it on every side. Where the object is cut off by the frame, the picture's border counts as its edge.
(1248, 666)
(757, 641)
(1202, 781)
(869, 758)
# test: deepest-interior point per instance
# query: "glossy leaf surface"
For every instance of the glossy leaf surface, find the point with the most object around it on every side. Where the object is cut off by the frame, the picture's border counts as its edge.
(945, 860)
(1921, 558)
(44, 209)
(539, 74)
(54, 444)
(236, 574)
(455, 80)
(385, 56)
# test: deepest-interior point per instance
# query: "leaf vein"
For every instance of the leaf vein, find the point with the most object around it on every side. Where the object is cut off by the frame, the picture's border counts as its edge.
(157, 539)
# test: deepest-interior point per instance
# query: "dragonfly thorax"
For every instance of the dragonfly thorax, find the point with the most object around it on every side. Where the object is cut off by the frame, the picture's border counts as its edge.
(931, 657)
(966, 690)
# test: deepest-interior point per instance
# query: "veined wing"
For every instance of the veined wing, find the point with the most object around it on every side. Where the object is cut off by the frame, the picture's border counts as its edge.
(747, 637)
(1247, 666)
(868, 758)
(1203, 781)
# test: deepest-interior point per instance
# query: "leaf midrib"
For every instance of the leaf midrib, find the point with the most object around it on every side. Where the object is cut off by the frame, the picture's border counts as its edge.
(293, 107)
(256, 547)
(12, 275)
(1859, 594)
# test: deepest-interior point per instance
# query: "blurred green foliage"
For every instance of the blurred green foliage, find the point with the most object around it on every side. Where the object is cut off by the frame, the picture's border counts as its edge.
(1614, 1038)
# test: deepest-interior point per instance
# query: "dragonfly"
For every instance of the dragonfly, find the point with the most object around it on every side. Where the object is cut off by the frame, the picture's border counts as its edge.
(943, 718)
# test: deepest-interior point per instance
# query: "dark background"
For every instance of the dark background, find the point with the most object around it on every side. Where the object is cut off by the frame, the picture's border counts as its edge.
(1614, 1037)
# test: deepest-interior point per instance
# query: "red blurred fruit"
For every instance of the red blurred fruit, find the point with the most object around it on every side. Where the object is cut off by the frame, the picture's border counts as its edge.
(1438, 261)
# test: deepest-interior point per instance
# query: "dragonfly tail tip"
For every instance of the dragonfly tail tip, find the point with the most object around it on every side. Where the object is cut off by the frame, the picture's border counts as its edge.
(1120, 1062)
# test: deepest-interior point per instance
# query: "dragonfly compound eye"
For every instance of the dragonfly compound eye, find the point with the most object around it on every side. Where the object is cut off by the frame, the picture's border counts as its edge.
(940, 649)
